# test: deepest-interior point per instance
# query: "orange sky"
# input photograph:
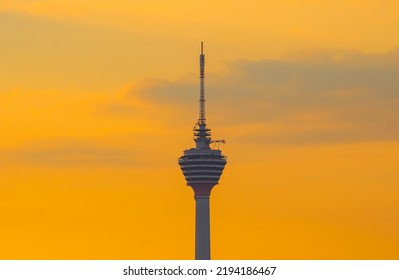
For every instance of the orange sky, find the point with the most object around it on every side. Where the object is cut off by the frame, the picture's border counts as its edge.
(98, 99)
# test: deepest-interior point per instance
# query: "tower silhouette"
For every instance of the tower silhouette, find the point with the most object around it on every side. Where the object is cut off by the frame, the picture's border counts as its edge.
(202, 167)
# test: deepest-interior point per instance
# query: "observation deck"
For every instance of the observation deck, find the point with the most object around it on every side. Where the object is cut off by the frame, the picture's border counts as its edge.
(202, 167)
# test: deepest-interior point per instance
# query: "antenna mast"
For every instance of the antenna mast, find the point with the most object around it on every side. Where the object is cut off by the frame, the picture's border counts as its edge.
(202, 134)
(201, 119)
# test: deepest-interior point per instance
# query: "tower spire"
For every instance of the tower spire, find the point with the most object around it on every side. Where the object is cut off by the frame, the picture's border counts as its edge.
(202, 87)
(202, 134)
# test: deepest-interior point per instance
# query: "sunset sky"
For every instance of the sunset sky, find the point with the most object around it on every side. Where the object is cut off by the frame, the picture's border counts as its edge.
(98, 100)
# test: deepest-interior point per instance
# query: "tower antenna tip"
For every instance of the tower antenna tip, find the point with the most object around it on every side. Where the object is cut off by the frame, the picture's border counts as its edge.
(202, 47)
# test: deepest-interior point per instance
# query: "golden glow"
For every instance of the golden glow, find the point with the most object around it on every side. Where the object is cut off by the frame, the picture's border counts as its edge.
(98, 99)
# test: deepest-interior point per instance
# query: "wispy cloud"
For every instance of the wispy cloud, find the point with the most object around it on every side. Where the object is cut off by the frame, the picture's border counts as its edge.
(308, 98)
(71, 154)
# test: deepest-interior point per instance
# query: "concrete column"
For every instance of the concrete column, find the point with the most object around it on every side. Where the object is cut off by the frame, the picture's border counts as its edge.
(202, 228)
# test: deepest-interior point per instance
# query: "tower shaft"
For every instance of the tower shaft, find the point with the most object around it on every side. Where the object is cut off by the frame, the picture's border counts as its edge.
(202, 228)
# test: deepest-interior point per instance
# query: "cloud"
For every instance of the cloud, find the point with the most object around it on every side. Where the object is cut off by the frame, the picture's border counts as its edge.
(164, 103)
(71, 154)
(306, 98)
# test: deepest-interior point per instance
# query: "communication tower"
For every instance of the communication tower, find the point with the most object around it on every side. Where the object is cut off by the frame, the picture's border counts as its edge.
(202, 167)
